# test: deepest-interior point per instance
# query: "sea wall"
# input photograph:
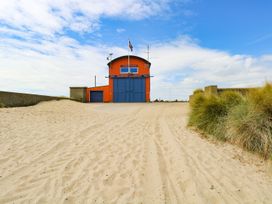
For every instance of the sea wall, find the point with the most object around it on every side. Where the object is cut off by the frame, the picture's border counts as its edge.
(13, 99)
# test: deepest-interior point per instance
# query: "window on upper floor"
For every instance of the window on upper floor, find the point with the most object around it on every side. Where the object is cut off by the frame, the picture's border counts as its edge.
(131, 70)
(124, 70)
(134, 70)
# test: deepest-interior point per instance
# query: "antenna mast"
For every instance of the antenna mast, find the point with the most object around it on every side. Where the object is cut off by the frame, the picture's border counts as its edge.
(148, 52)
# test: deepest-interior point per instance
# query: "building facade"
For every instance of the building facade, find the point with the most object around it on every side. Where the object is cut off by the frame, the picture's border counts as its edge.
(129, 81)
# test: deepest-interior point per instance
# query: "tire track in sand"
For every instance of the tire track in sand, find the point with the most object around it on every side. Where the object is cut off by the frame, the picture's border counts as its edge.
(129, 154)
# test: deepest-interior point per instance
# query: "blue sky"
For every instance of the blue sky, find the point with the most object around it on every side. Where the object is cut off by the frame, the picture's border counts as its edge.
(235, 26)
(47, 46)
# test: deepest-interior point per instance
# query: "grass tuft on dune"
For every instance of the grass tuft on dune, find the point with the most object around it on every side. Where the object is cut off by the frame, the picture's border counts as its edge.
(2, 105)
(242, 120)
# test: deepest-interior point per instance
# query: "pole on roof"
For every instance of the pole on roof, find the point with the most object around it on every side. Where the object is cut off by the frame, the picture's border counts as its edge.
(128, 55)
(94, 80)
(130, 49)
(148, 52)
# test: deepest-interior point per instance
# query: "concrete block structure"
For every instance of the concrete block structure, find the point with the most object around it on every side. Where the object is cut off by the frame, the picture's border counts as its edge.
(129, 81)
(213, 90)
(78, 94)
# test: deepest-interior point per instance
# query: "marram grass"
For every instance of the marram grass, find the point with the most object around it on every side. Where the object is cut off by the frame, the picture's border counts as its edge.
(242, 120)
(2, 105)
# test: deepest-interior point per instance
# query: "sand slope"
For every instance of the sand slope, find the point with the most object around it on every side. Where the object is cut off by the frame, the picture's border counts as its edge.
(67, 152)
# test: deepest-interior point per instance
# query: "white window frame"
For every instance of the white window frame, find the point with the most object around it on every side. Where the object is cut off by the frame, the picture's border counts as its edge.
(129, 70)
(134, 68)
(124, 72)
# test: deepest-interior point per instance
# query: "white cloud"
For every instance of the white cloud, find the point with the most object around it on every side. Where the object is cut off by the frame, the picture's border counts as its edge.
(120, 30)
(45, 62)
(50, 67)
(179, 66)
(48, 17)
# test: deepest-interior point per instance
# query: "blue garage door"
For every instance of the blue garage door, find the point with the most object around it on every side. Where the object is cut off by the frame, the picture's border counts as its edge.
(129, 90)
(96, 96)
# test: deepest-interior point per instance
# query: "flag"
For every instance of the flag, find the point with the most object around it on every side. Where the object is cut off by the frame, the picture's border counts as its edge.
(130, 46)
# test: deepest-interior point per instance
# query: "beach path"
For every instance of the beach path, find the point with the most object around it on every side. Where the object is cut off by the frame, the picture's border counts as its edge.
(69, 152)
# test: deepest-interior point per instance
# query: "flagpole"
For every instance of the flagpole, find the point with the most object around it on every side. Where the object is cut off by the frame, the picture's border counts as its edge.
(148, 52)
(128, 56)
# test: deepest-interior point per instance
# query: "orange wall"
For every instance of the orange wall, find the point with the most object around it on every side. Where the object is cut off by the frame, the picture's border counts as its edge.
(114, 69)
(105, 89)
(115, 66)
(147, 89)
(143, 69)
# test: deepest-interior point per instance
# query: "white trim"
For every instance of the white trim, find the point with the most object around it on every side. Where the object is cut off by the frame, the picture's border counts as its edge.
(124, 68)
(133, 68)
(129, 70)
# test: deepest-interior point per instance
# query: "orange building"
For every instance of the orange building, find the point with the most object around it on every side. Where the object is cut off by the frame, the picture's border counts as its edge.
(129, 81)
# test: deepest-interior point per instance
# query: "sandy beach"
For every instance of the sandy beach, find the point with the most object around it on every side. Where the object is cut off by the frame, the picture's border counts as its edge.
(68, 152)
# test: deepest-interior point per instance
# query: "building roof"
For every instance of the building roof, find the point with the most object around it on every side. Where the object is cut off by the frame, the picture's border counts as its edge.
(131, 56)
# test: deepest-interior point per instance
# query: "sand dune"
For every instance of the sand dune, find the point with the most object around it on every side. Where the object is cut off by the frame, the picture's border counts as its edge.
(68, 152)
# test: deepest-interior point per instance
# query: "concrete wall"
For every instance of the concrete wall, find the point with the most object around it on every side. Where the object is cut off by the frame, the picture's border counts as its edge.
(242, 91)
(214, 90)
(12, 99)
(211, 90)
(78, 94)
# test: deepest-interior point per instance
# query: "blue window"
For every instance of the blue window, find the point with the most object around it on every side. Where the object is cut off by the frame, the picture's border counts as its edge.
(134, 70)
(124, 70)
